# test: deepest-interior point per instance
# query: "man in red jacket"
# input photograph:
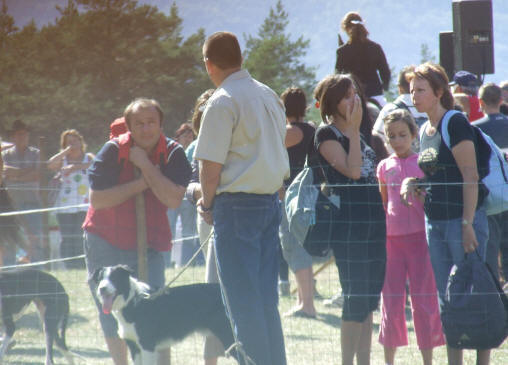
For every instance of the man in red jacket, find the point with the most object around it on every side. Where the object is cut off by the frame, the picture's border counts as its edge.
(110, 224)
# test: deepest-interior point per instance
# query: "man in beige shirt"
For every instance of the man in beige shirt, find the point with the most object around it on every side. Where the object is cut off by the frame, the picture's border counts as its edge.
(243, 161)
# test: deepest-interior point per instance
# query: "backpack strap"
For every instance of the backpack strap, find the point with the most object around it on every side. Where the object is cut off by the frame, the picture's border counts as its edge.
(422, 130)
(444, 126)
(401, 105)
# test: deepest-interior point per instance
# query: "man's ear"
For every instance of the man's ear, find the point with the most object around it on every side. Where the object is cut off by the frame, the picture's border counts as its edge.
(482, 104)
(210, 67)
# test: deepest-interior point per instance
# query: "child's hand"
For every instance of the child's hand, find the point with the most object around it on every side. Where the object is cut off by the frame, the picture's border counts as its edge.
(409, 189)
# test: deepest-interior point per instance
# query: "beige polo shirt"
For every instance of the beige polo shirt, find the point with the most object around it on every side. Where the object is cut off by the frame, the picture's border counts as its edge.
(243, 128)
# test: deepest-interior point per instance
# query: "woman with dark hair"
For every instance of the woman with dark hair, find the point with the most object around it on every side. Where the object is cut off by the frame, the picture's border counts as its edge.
(363, 58)
(456, 222)
(358, 236)
(300, 144)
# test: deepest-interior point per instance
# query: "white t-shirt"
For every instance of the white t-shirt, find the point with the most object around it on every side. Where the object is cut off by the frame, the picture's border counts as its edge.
(379, 125)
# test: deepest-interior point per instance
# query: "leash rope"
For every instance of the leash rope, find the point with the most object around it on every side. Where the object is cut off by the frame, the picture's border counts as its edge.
(189, 262)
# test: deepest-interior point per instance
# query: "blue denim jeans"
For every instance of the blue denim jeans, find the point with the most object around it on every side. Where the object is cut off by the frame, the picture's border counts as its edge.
(498, 243)
(247, 248)
(445, 245)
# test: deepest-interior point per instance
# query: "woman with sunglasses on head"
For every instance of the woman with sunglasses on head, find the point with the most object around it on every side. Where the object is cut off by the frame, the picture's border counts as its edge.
(456, 222)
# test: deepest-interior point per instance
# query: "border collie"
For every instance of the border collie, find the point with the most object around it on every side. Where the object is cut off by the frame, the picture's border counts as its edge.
(152, 322)
(18, 288)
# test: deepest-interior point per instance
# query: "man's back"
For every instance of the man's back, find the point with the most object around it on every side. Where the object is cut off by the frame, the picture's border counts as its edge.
(495, 126)
(25, 191)
(243, 128)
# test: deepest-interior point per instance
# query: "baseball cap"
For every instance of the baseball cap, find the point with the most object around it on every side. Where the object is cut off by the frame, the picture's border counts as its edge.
(464, 78)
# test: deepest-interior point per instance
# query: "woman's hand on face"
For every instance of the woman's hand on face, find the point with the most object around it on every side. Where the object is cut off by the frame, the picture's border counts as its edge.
(469, 241)
(354, 117)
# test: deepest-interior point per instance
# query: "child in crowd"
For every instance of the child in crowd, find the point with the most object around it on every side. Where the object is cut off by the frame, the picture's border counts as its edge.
(406, 246)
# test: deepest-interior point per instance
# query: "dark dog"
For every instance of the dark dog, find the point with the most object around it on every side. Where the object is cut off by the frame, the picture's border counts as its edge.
(152, 322)
(18, 289)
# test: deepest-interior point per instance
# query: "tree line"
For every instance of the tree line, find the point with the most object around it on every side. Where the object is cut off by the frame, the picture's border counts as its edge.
(82, 70)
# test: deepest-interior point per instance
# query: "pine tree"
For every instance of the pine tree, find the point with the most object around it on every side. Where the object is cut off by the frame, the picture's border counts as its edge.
(426, 54)
(274, 59)
(81, 71)
(7, 26)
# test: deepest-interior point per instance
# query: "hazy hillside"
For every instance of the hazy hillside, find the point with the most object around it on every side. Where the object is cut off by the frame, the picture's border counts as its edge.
(399, 26)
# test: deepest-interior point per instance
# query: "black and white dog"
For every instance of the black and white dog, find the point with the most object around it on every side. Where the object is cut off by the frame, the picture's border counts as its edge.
(152, 322)
(19, 288)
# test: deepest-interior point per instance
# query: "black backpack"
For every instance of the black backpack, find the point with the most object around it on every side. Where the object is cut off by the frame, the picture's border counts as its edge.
(474, 312)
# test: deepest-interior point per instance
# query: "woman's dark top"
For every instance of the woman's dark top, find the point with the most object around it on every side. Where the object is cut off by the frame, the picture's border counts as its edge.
(364, 60)
(298, 153)
(361, 215)
(444, 200)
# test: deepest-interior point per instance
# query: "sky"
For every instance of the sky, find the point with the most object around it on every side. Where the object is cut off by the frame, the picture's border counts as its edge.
(400, 26)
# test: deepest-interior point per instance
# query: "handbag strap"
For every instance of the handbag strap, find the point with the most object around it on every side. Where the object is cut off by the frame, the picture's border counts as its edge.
(339, 137)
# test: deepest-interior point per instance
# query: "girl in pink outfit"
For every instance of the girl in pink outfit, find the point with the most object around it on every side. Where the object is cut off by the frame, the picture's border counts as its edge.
(406, 246)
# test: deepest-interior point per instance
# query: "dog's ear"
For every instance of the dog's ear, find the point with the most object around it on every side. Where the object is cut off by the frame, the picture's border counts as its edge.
(97, 275)
(126, 269)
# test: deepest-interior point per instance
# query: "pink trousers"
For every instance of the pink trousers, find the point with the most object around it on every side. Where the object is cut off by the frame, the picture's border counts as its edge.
(408, 259)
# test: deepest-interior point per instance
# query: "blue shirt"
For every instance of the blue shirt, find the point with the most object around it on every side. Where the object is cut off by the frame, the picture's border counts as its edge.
(496, 127)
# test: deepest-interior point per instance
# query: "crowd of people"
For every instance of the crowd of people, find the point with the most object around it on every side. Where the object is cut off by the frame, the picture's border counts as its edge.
(410, 207)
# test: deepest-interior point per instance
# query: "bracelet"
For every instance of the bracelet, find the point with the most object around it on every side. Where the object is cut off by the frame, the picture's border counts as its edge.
(465, 222)
(206, 209)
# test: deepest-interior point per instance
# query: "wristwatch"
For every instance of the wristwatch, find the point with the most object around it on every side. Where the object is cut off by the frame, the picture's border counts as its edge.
(465, 222)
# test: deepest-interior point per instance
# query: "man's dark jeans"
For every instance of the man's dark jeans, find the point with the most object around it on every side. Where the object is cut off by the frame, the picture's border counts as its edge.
(247, 247)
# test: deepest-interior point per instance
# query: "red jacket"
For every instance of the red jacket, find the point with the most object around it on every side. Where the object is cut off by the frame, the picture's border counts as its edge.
(117, 225)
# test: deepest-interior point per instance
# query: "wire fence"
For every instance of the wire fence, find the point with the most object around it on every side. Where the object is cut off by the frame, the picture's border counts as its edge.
(307, 341)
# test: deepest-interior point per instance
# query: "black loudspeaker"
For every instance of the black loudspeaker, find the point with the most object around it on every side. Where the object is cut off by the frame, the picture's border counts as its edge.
(446, 59)
(474, 38)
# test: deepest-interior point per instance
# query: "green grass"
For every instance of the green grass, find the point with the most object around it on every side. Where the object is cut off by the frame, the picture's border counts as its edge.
(307, 341)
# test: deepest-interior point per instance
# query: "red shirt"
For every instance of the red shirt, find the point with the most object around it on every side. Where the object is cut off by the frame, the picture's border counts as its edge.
(111, 167)
(475, 112)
